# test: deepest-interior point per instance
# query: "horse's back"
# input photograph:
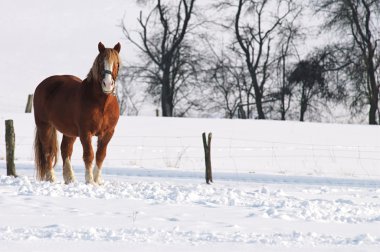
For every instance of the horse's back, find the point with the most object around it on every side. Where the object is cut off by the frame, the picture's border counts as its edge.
(56, 98)
(52, 85)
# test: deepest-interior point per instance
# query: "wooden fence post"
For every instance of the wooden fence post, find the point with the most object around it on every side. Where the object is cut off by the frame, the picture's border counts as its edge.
(207, 148)
(29, 104)
(10, 148)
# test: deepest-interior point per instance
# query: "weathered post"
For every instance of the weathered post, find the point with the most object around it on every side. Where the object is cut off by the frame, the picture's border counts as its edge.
(207, 149)
(157, 112)
(10, 148)
(29, 104)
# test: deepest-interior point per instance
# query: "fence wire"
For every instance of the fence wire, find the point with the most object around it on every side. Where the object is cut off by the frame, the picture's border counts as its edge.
(234, 155)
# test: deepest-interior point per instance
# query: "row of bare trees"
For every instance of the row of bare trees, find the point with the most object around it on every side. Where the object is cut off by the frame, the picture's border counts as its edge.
(245, 60)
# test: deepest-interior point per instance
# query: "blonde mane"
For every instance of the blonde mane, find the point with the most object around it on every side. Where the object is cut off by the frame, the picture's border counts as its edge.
(97, 68)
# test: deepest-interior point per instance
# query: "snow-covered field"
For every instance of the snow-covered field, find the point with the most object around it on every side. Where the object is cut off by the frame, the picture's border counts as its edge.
(184, 214)
(155, 197)
(279, 186)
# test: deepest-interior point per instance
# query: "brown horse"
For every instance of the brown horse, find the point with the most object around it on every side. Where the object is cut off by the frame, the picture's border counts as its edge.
(77, 109)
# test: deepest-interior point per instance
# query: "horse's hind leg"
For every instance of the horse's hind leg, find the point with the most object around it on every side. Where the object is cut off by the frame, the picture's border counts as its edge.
(66, 152)
(46, 149)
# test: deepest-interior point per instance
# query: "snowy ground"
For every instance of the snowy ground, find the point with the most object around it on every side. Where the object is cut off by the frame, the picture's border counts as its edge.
(159, 213)
(171, 213)
(147, 207)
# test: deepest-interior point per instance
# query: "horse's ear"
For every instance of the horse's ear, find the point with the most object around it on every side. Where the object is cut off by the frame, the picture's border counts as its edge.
(117, 47)
(101, 47)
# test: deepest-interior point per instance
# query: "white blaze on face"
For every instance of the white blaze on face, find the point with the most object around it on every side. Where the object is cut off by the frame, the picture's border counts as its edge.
(108, 83)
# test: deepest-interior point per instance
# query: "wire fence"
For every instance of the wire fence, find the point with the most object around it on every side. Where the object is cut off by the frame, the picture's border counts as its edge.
(228, 154)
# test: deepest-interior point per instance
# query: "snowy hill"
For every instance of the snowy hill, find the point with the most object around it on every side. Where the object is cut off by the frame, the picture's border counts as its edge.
(279, 186)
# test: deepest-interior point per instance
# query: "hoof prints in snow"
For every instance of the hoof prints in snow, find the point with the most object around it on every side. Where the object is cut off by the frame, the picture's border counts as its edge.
(175, 235)
(260, 201)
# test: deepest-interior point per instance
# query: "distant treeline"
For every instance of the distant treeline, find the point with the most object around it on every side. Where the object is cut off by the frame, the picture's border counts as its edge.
(242, 59)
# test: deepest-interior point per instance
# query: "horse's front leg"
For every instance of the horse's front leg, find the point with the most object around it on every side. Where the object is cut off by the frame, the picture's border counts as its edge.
(88, 156)
(101, 152)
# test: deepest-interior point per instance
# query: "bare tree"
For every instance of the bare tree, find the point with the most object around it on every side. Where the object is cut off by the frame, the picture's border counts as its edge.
(309, 75)
(169, 64)
(312, 84)
(228, 82)
(287, 53)
(130, 92)
(360, 19)
(254, 37)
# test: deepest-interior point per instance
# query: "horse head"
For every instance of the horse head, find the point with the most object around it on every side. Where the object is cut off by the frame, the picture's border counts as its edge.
(106, 68)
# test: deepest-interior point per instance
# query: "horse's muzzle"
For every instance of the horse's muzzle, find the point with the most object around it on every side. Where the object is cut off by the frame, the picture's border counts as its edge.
(108, 87)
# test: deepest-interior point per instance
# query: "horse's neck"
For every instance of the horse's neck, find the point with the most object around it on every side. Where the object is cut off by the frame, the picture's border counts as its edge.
(93, 91)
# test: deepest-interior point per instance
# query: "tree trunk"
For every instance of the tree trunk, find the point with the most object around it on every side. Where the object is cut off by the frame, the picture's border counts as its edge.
(258, 95)
(166, 102)
(303, 105)
(374, 99)
(241, 112)
(259, 106)
(372, 114)
(283, 109)
(166, 95)
(374, 96)
(302, 112)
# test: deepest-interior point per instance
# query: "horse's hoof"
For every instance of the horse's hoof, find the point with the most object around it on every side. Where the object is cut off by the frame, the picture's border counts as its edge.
(98, 176)
(50, 177)
(69, 181)
(99, 181)
(91, 182)
(51, 180)
(68, 178)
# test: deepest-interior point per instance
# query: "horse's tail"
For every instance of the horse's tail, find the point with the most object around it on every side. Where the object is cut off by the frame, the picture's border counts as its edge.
(44, 155)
